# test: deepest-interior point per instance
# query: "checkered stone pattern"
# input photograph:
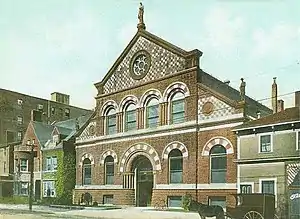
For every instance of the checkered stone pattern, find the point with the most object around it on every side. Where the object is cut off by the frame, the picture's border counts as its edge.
(163, 62)
(108, 153)
(292, 171)
(221, 109)
(89, 156)
(86, 132)
(175, 145)
(138, 148)
(217, 141)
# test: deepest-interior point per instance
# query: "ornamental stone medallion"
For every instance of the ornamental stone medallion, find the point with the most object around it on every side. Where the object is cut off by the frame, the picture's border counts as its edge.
(140, 64)
(208, 108)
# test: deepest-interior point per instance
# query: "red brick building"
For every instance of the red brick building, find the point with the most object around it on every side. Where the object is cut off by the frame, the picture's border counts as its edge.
(161, 129)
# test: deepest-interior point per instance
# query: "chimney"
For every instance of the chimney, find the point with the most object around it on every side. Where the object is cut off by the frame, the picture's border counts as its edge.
(274, 96)
(242, 89)
(280, 105)
(297, 98)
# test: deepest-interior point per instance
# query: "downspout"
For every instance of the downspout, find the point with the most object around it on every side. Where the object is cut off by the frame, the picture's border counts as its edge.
(197, 146)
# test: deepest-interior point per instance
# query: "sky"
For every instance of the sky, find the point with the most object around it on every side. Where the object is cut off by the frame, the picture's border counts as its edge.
(67, 46)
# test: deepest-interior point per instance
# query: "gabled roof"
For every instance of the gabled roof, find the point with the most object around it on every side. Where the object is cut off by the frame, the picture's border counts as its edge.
(42, 131)
(285, 116)
(231, 93)
(151, 37)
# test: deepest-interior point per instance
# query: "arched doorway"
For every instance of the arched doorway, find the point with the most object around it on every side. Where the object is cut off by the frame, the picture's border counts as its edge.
(143, 170)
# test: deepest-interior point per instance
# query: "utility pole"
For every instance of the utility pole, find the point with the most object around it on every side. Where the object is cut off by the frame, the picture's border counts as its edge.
(31, 144)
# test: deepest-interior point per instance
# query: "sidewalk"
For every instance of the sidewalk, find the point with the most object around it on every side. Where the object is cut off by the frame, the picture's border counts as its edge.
(132, 213)
(124, 213)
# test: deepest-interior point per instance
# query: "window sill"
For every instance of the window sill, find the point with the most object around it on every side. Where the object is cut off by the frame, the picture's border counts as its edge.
(265, 152)
(49, 171)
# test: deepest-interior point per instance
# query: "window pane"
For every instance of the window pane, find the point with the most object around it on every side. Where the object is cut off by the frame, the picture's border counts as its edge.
(268, 187)
(265, 139)
(220, 201)
(108, 199)
(111, 120)
(130, 116)
(178, 117)
(175, 201)
(177, 106)
(175, 176)
(109, 179)
(175, 163)
(246, 188)
(218, 162)
(218, 176)
(87, 174)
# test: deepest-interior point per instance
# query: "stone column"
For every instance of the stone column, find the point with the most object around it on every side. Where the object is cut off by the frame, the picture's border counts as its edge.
(163, 116)
(119, 118)
(101, 125)
(140, 115)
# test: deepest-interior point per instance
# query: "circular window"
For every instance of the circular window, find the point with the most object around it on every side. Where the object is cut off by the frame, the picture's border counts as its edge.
(140, 65)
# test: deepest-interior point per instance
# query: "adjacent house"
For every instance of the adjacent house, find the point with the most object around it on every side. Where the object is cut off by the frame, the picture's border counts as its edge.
(161, 129)
(16, 111)
(269, 158)
(53, 151)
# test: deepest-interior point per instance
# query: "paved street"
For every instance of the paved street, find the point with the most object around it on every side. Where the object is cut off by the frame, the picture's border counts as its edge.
(21, 211)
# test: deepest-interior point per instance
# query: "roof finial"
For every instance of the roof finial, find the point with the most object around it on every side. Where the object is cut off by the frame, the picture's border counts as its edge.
(141, 24)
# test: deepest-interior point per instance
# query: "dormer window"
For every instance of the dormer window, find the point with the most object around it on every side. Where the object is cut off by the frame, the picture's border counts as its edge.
(56, 139)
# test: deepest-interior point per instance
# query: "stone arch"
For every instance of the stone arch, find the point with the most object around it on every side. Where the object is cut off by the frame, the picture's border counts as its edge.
(174, 87)
(140, 149)
(175, 145)
(148, 94)
(87, 155)
(218, 141)
(108, 153)
(127, 99)
(107, 104)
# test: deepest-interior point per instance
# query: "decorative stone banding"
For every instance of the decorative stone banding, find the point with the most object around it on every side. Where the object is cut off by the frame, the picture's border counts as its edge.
(107, 104)
(108, 153)
(89, 156)
(125, 101)
(143, 149)
(175, 145)
(217, 141)
(174, 87)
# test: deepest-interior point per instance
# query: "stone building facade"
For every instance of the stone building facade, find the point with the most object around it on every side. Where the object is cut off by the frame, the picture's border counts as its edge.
(161, 129)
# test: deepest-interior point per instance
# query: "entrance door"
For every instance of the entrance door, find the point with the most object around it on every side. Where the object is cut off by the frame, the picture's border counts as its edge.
(144, 180)
(37, 189)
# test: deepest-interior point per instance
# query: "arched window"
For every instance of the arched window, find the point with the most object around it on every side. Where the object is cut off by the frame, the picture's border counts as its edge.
(175, 166)
(177, 108)
(130, 117)
(152, 113)
(111, 123)
(218, 164)
(109, 170)
(87, 172)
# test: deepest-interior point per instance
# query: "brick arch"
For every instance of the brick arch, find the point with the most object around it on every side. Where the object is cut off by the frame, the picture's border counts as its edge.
(126, 100)
(108, 153)
(174, 87)
(87, 155)
(217, 141)
(148, 94)
(143, 149)
(107, 104)
(175, 145)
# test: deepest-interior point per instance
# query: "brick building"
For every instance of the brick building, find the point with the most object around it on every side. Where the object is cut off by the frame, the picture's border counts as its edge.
(161, 129)
(16, 111)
